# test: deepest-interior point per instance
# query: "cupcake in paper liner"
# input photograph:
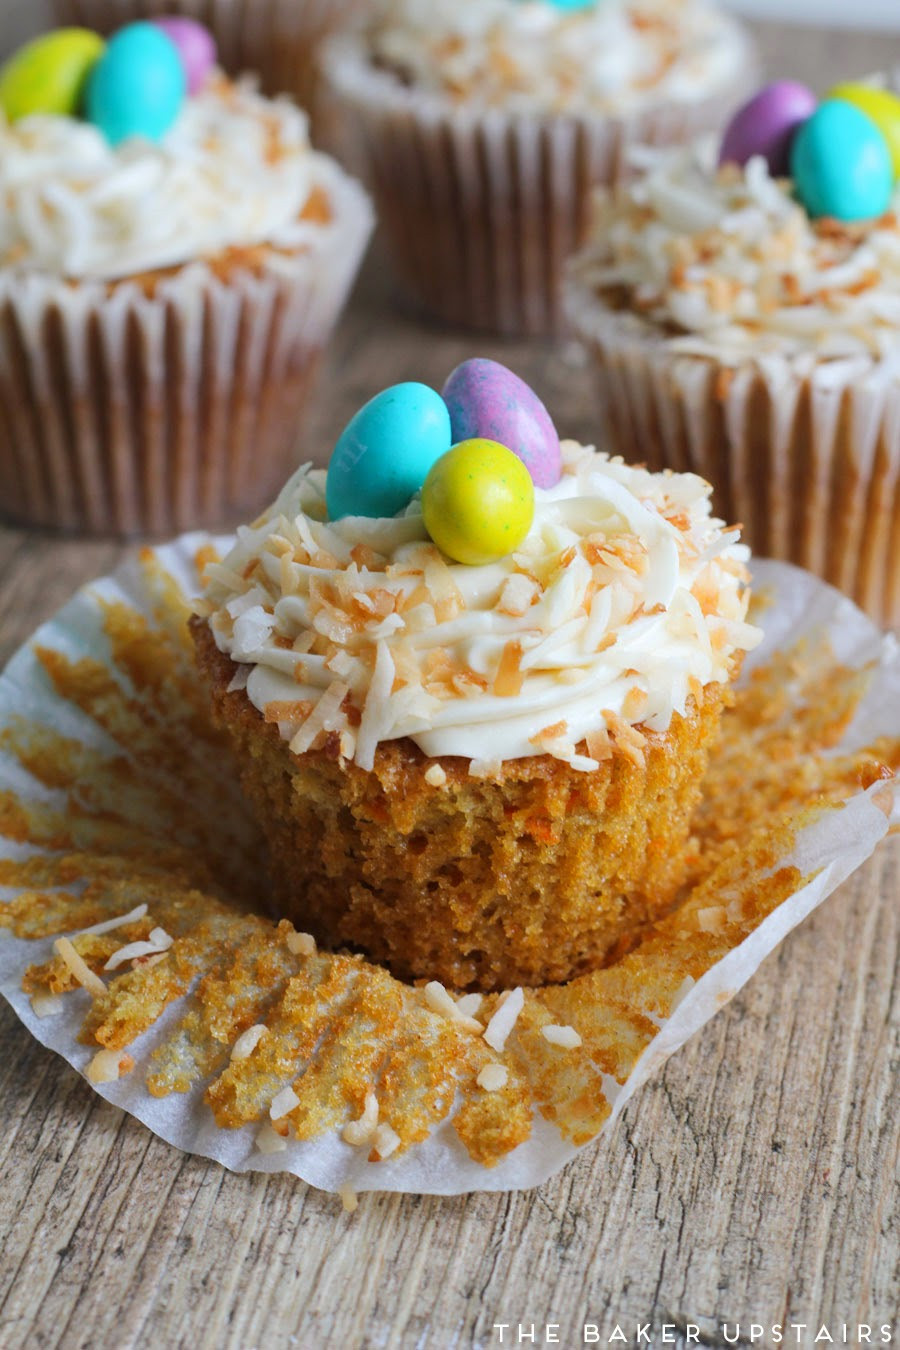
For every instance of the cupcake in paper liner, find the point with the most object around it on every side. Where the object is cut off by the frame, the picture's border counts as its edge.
(278, 40)
(484, 124)
(162, 309)
(737, 333)
(481, 772)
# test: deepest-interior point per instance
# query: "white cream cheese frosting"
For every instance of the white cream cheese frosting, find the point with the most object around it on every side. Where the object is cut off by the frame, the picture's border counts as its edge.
(614, 56)
(626, 598)
(732, 266)
(236, 170)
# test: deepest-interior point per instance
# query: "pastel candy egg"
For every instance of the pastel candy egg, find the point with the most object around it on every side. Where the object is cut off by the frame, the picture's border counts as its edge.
(841, 164)
(48, 76)
(478, 502)
(489, 402)
(882, 107)
(196, 47)
(767, 125)
(138, 86)
(383, 455)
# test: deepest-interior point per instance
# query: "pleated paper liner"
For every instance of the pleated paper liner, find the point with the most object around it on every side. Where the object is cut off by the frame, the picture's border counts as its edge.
(236, 1038)
(481, 209)
(278, 39)
(807, 457)
(131, 408)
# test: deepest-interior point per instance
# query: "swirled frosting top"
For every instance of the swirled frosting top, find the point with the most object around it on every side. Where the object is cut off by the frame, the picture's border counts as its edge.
(613, 56)
(236, 170)
(626, 598)
(732, 266)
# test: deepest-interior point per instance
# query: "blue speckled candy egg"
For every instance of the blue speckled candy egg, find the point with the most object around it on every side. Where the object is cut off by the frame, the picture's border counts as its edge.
(489, 402)
(767, 126)
(383, 455)
(138, 86)
(841, 164)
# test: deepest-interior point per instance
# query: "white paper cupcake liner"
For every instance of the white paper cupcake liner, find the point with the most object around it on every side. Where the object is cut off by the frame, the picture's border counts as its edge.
(278, 39)
(806, 456)
(480, 210)
(631, 1017)
(130, 410)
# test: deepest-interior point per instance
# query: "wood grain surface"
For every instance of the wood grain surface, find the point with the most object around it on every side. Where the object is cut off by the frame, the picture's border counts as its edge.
(755, 1181)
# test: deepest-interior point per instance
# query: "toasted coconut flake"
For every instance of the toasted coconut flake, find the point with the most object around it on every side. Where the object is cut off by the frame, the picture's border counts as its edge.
(239, 680)
(498, 1029)
(301, 944)
(712, 919)
(493, 1077)
(247, 1042)
(110, 925)
(283, 1103)
(509, 678)
(385, 1142)
(268, 1140)
(599, 745)
(519, 591)
(628, 739)
(158, 943)
(435, 776)
(349, 1198)
(108, 1066)
(327, 715)
(485, 768)
(78, 968)
(439, 1001)
(567, 1038)
(360, 1132)
(46, 1005)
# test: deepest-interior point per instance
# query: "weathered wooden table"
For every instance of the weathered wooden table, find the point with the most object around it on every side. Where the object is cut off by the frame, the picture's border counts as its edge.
(754, 1182)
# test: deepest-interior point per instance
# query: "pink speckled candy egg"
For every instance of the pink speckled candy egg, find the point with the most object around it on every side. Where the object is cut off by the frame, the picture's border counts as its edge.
(767, 125)
(488, 402)
(196, 47)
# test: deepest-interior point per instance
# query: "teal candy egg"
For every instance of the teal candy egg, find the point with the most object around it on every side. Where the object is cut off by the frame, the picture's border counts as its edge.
(138, 86)
(383, 455)
(841, 163)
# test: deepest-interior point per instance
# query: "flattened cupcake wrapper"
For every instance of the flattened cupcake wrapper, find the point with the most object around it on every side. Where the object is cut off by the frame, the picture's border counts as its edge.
(237, 1040)
(805, 456)
(126, 413)
(480, 210)
(275, 38)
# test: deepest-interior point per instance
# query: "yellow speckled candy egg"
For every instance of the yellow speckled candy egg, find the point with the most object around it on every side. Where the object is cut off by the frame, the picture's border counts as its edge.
(881, 107)
(48, 75)
(478, 502)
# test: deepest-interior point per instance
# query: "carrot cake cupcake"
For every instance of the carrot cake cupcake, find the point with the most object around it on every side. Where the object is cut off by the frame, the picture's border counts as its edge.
(741, 303)
(473, 716)
(485, 124)
(171, 265)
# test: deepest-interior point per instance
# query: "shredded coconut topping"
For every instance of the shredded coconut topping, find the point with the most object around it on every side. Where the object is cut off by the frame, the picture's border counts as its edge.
(156, 944)
(732, 266)
(247, 1042)
(236, 170)
(283, 1103)
(612, 56)
(638, 598)
(493, 1077)
(499, 1028)
(79, 968)
(361, 1132)
(567, 1038)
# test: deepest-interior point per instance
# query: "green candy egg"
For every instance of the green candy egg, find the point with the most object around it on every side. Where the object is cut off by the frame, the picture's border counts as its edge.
(882, 107)
(48, 75)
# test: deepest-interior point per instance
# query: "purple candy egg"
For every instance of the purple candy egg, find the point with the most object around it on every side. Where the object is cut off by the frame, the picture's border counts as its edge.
(196, 47)
(767, 124)
(488, 401)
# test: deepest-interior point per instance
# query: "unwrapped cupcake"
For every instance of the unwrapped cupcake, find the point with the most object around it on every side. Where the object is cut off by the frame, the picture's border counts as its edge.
(473, 688)
(278, 40)
(484, 124)
(742, 306)
(171, 265)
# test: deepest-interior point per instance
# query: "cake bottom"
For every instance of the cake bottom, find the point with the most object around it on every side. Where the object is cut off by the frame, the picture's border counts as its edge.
(530, 877)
